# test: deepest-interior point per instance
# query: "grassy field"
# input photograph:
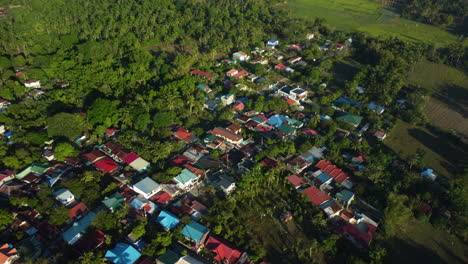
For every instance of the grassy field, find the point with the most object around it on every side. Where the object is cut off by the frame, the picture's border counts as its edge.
(443, 155)
(448, 106)
(421, 243)
(370, 17)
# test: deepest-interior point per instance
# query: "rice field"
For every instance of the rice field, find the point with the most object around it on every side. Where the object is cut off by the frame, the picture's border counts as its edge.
(369, 17)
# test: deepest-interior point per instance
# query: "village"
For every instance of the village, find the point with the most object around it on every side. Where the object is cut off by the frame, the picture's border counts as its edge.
(214, 160)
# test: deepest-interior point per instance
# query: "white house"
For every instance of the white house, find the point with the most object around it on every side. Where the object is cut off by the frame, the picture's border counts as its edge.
(227, 184)
(298, 94)
(185, 180)
(33, 84)
(64, 196)
(227, 99)
(240, 56)
(146, 187)
(272, 43)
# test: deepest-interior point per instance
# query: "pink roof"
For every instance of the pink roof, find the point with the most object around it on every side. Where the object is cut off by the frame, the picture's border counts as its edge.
(201, 73)
(107, 165)
(379, 134)
(264, 118)
(3, 100)
(339, 44)
(111, 131)
(309, 132)
(281, 67)
(363, 237)
(223, 252)
(296, 180)
(77, 210)
(131, 157)
(316, 196)
(232, 71)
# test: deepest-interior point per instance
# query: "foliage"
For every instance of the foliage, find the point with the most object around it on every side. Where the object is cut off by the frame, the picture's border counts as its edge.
(396, 213)
(105, 221)
(67, 125)
(5, 218)
(58, 216)
(63, 150)
(158, 245)
(91, 258)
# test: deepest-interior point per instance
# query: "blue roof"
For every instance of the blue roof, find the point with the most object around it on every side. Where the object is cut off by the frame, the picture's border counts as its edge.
(185, 176)
(194, 231)
(138, 202)
(167, 220)
(324, 177)
(276, 120)
(243, 100)
(147, 185)
(79, 226)
(123, 254)
(272, 40)
(345, 195)
(9, 134)
(259, 80)
(427, 172)
(372, 106)
(344, 100)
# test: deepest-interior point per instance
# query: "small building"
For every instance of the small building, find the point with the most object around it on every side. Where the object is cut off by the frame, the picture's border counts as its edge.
(77, 211)
(429, 174)
(272, 43)
(107, 165)
(222, 251)
(167, 220)
(380, 135)
(195, 232)
(170, 257)
(8, 254)
(33, 84)
(226, 135)
(142, 206)
(64, 196)
(4, 104)
(227, 184)
(75, 232)
(296, 181)
(294, 59)
(202, 74)
(114, 201)
(238, 106)
(310, 36)
(351, 119)
(186, 180)
(316, 196)
(189, 260)
(123, 254)
(298, 94)
(204, 87)
(232, 72)
(345, 197)
(240, 56)
(227, 99)
(146, 187)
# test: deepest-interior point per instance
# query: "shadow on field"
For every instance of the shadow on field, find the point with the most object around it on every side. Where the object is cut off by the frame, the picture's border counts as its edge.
(455, 96)
(404, 251)
(453, 151)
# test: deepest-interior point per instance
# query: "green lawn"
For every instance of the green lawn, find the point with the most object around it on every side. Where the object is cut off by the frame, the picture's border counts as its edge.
(443, 155)
(419, 242)
(435, 75)
(368, 16)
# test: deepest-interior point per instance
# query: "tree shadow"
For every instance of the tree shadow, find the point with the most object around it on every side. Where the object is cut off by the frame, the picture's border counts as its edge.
(454, 152)
(455, 97)
(405, 251)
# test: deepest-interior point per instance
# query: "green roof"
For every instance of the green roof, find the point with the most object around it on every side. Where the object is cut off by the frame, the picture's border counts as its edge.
(114, 201)
(286, 128)
(345, 195)
(170, 257)
(38, 168)
(354, 120)
(185, 176)
(209, 138)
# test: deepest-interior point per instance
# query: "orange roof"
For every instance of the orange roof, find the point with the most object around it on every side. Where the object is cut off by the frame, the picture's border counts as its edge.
(6, 252)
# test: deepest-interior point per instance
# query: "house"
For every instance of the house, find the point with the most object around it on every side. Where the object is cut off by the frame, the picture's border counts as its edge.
(204, 87)
(339, 46)
(360, 233)
(316, 196)
(2, 129)
(136, 162)
(360, 89)
(4, 104)
(240, 56)
(296, 181)
(92, 241)
(189, 260)
(211, 104)
(6, 175)
(75, 232)
(195, 232)
(226, 135)
(238, 106)
(272, 43)
(110, 132)
(146, 187)
(222, 251)
(48, 155)
(227, 184)
(167, 220)
(298, 164)
(297, 47)
(294, 59)
(198, 210)
(77, 210)
(232, 72)
(201, 73)
(185, 180)
(283, 67)
(106, 165)
(310, 36)
(262, 61)
(240, 74)
(227, 99)
(429, 174)
(252, 77)
(278, 56)
(123, 254)
(184, 135)
(380, 135)
(298, 94)
(142, 206)
(234, 128)
(33, 84)
(93, 156)
(113, 202)
(8, 254)
(64, 196)
(169, 257)
(376, 108)
(345, 197)
(34, 168)
(351, 119)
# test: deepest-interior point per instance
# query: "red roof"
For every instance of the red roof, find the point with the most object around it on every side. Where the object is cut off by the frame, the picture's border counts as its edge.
(223, 252)
(339, 44)
(131, 157)
(239, 106)
(328, 169)
(3, 100)
(161, 198)
(363, 237)
(184, 135)
(296, 180)
(379, 134)
(295, 58)
(194, 170)
(201, 73)
(91, 241)
(180, 159)
(341, 177)
(309, 132)
(281, 66)
(269, 163)
(316, 196)
(111, 131)
(77, 210)
(106, 165)
(290, 101)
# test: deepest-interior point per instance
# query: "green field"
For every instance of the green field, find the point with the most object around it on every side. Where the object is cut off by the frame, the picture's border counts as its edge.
(421, 243)
(368, 16)
(443, 155)
(434, 76)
